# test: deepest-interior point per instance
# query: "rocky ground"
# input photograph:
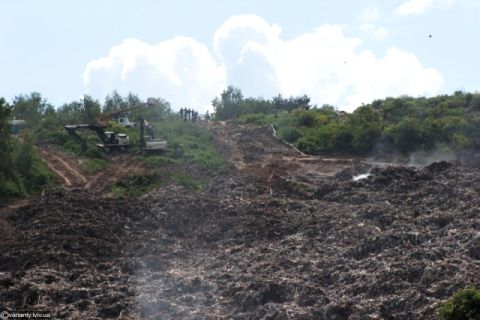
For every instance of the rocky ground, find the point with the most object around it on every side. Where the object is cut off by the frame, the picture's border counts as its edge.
(389, 246)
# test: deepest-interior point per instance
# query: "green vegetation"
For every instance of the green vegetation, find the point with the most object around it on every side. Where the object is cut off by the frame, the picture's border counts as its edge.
(392, 126)
(191, 156)
(21, 169)
(464, 305)
(189, 144)
(190, 160)
(92, 166)
(450, 123)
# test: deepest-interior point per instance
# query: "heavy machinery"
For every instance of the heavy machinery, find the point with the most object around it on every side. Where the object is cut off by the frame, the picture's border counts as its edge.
(105, 118)
(148, 141)
(110, 140)
(118, 141)
(124, 122)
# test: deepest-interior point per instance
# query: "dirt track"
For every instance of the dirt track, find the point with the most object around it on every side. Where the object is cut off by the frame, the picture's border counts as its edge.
(65, 167)
(259, 156)
(68, 168)
(253, 244)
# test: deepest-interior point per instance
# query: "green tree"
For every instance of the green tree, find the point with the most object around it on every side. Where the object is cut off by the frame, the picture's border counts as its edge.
(229, 105)
(91, 109)
(406, 135)
(292, 103)
(114, 102)
(365, 126)
(158, 109)
(71, 113)
(30, 108)
(25, 158)
(5, 160)
(9, 184)
(256, 105)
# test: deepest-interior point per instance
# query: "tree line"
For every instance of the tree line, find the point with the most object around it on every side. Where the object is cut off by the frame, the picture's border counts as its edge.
(450, 123)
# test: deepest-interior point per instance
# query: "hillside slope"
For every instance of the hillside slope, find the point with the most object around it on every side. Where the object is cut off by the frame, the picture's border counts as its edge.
(390, 246)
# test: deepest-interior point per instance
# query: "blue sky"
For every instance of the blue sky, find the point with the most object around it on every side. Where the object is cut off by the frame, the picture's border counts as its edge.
(344, 52)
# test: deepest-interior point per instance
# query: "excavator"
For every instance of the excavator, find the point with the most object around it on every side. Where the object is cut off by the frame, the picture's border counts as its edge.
(110, 140)
(118, 141)
(147, 141)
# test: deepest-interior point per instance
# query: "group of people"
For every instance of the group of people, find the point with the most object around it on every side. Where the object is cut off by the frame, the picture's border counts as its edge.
(188, 114)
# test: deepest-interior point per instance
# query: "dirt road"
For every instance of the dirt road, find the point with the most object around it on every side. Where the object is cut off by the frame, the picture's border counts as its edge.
(259, 155)
(66, 167)
(70, 169)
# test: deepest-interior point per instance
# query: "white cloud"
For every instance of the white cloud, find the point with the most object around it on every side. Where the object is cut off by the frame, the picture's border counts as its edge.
(181, 70)
(421, 6)
(371, 14)
(250, 53)
(379, 33)
(398, 73)
(324, 63)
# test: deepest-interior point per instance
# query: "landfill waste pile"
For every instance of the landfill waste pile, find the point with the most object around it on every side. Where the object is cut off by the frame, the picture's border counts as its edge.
(390, 245)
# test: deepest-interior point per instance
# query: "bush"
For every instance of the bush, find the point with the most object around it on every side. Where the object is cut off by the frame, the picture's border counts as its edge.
(290, 134)
(10, 189)
(464, 305)
(254, 118)
(307, 119)
(56, 137)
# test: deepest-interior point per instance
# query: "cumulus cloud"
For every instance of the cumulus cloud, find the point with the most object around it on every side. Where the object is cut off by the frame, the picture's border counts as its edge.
(324, 64)
(250, 53)
(411, 7)
(181, 70)
(244, 46)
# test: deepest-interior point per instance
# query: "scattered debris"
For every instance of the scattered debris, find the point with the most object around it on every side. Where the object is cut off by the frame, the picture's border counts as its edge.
(390, 246)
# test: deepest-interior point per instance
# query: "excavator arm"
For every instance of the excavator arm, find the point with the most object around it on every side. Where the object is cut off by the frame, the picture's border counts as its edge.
(148, 128)
(103, 119)
(72, 131)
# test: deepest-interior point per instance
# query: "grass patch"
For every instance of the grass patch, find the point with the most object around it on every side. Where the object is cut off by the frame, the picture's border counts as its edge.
(190, 160)
(190, 143)
(92, 166)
